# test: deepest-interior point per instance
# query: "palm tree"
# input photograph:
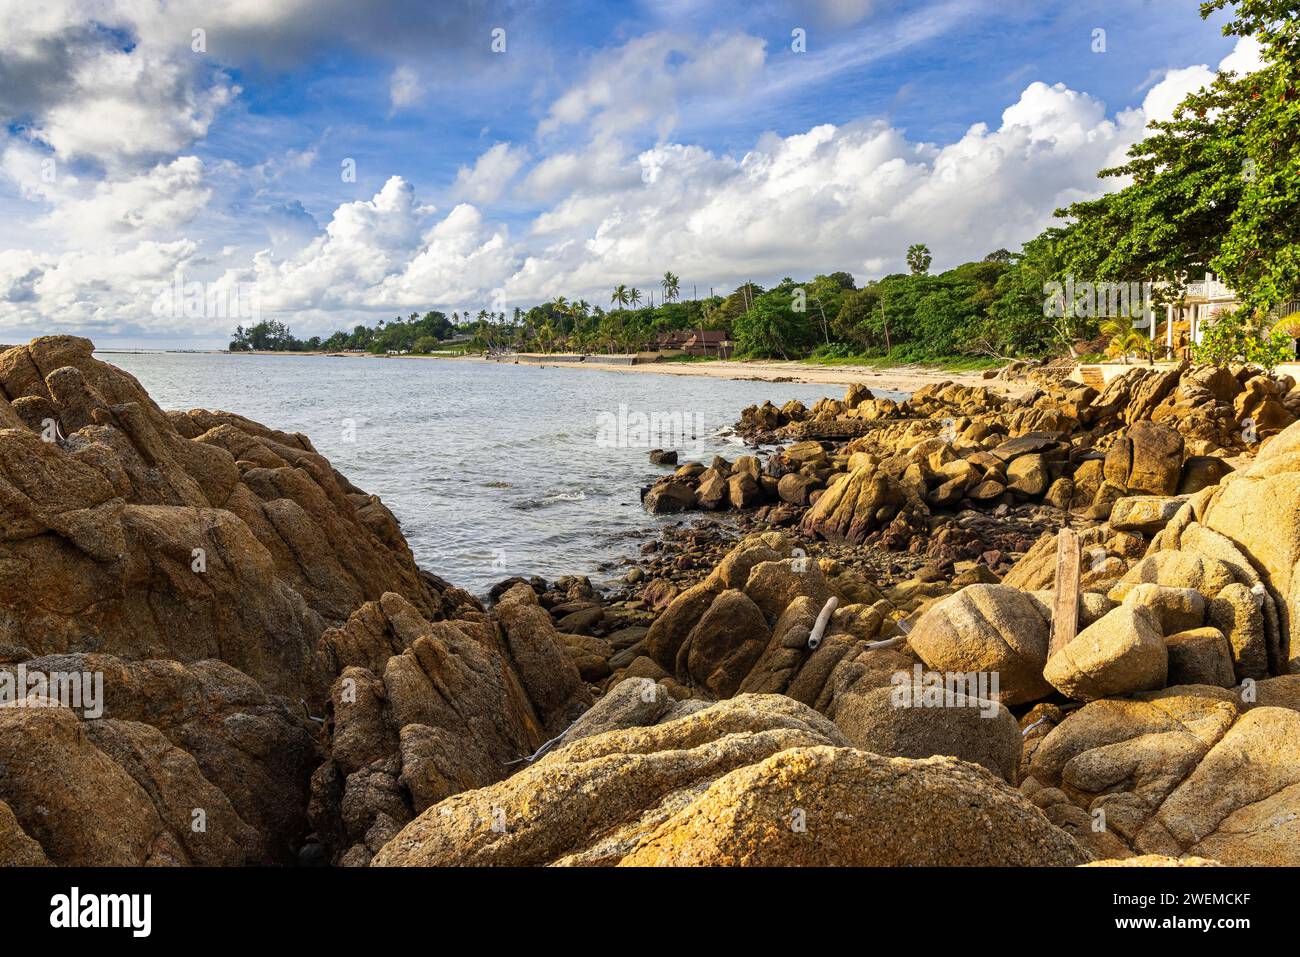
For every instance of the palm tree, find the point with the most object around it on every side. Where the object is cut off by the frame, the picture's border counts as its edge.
(1124, 339)
(620, 297)
(670, 285)
(919, 258)
(1289, 325)
(634, 295)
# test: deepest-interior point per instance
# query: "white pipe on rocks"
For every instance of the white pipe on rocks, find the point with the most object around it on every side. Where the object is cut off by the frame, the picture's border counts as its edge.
(815, 636)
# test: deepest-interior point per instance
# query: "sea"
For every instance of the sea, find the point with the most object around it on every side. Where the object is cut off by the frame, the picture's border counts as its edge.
(493, 469)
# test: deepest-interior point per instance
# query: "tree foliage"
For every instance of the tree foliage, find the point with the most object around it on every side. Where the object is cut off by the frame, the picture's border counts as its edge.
(1215, 188)
(1233, 338)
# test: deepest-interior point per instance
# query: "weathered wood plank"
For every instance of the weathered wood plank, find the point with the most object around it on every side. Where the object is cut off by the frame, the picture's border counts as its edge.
(1065, 602)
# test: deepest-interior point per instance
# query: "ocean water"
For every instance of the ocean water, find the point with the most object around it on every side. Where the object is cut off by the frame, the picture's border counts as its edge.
(492, 470)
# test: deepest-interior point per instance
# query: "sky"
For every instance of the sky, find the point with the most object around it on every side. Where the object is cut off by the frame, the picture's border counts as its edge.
(171, 167)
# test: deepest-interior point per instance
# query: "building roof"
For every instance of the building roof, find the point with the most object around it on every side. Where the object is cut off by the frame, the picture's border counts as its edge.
(708, 335)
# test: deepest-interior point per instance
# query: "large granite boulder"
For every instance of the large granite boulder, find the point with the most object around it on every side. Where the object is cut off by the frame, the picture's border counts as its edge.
(896, 722)
(864, 500)
(1187, 771)
(459, 706)
(1120, 653)
(755, 780)
(988, 628)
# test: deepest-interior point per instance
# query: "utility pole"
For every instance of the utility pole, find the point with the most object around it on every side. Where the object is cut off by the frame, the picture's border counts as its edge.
(825, 328)
(885, 321)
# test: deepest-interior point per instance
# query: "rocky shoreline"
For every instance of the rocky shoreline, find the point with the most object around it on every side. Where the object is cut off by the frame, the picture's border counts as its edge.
(760, 690)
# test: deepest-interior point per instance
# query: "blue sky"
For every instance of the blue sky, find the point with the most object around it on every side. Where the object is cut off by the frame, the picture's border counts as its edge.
(606, 143)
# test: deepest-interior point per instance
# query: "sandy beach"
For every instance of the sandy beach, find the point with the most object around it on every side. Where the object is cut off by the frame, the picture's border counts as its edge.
(898, 378)
(906, 378)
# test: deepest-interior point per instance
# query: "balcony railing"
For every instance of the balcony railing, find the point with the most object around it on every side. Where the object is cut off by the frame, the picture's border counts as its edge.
(1209, 289)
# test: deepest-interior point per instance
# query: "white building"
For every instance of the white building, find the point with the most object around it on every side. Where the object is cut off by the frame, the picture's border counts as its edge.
(1201, 303)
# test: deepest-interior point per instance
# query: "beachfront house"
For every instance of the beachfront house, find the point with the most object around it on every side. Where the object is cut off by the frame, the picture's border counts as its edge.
(672, 341)
(696, 342)
(1202, 303)
(1186, 320)
(709, 342)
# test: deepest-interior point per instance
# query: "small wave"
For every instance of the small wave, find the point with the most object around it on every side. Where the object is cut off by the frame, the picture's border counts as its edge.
(566, 497)
(555, 498)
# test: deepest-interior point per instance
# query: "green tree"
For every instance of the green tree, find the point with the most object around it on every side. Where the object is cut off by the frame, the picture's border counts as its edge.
(1217, 187)
(771, 328)
(1233, 337)
(1021, 318)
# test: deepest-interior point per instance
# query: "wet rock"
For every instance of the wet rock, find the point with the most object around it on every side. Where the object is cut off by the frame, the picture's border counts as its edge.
(670, 496)
(743, 490)
(796, 489)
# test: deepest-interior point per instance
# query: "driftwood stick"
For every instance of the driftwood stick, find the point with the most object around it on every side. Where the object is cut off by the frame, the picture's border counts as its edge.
(546, 745)
(887, 643)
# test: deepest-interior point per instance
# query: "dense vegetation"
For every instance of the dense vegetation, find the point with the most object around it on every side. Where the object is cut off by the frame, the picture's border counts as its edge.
(1216, 188)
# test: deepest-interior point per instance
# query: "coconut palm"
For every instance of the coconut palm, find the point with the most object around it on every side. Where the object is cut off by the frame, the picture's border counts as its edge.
(670, 284)
(621, 297)
(1124, 339)
(634, 296)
